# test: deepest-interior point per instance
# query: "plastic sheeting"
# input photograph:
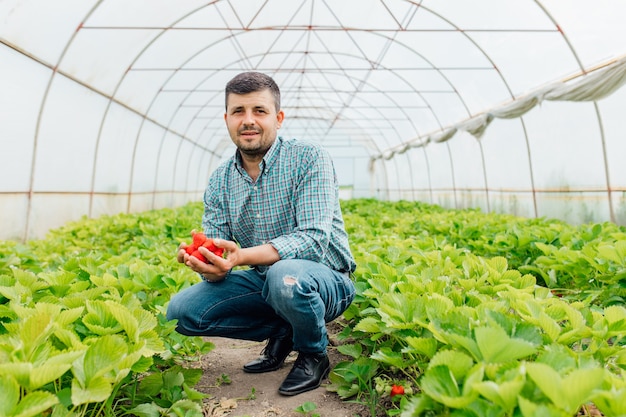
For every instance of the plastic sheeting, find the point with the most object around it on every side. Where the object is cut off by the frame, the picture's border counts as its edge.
(591, 88)
(117, 105)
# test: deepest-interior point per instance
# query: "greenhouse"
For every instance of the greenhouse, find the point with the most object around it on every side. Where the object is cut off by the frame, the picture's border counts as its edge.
(477, 149)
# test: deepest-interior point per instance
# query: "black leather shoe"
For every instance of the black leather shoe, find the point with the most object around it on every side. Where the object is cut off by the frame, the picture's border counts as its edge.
(272, 357)
(307, 373)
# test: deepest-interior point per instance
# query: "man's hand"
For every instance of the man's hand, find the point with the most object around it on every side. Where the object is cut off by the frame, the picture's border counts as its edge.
(216, 267)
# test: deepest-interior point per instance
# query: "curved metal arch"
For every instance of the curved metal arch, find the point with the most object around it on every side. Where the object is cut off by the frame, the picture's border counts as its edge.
(376, 89)
(121, 80)
(575, 55)
(107, 108)
(331, 54)
(371, 141)
(597, 111)
(44, 100)
(495, 67)
(482, 155)
(110, 101)
(212, 3)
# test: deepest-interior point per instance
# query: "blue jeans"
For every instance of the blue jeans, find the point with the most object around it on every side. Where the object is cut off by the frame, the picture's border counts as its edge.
(293, 294)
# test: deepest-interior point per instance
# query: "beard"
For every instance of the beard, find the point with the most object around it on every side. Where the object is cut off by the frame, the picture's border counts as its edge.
(253, 151)
(255, 148)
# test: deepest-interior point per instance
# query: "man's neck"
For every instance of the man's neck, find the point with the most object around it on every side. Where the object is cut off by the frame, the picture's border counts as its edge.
(252, 165)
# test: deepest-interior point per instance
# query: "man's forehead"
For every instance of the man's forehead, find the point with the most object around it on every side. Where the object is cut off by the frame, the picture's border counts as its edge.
(262, 98)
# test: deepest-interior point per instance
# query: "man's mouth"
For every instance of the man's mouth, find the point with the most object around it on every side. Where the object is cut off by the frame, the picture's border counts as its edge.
(247, 133)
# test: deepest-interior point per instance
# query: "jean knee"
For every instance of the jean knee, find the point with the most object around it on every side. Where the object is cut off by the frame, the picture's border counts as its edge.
(285, 267)
(283, 283)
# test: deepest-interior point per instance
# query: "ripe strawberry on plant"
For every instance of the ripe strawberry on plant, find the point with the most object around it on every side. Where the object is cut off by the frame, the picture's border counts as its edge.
(396, 390)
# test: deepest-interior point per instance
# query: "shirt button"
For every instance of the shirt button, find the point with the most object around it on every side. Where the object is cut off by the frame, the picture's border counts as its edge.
(258, 216)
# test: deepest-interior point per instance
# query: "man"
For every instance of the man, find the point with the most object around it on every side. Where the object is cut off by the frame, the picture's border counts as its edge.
(273, 206)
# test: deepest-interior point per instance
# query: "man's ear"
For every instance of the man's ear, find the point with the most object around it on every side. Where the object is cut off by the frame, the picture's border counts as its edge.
(280, 116)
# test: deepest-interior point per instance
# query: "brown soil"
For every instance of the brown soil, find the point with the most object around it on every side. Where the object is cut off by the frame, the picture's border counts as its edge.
(234, 393)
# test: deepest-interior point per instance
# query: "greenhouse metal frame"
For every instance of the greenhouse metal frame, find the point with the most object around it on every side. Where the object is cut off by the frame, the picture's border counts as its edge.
(507, 106)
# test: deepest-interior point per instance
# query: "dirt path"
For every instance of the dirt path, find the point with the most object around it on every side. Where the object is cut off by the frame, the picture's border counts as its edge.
(256, 395)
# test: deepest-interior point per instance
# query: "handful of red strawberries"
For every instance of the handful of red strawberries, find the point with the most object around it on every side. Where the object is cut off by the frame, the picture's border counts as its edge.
(199, 239)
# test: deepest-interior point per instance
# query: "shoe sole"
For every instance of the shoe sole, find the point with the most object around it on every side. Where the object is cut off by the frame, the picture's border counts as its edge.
(292, 393)
(261, 371)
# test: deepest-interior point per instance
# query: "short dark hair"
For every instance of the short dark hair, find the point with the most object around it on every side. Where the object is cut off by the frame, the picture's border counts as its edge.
(250, 82)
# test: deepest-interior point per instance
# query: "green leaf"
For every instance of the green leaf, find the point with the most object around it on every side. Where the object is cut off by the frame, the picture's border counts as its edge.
(151, 385)
(426, 346)
(172, 378)
(185, 408)
(354, 350)
(9, 394)
(96, 389)
(497, 347)
(369, 325)
(481, 408)
(502, 393)
(100, 319)
(35, 403)
(558, 357)
(193, 394)
(95, 372)
(125, 319)
(103, 355)
(306, 407)
(614, 253)
(457, 362)
(390, 357)
(440, 384)
(53, 368)
(611, 402)
(570, 392)
(34, 333)
(531, 409)
(400, 311)
(146, 410)
(499, 263)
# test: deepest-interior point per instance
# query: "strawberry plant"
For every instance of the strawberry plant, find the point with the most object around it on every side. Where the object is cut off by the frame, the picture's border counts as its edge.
(471, 314)
(82, 319)
(447, 300)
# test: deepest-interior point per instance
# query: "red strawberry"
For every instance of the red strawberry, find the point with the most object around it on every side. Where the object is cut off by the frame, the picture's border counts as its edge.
(199, 239)
(211, 246)
(396, 390)
(198, 255)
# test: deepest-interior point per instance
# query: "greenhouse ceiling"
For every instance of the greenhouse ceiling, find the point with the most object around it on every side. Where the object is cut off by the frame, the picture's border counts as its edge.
(85, 83)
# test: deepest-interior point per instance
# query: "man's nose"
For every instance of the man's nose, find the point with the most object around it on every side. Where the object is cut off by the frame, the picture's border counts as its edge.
(248, 118)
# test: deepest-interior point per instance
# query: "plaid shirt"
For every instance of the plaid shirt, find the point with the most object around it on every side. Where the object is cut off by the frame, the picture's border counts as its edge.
(293, 205)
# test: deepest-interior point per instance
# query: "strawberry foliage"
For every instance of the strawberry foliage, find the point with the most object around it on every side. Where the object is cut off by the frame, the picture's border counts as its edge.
(457, 313)
(483, 315)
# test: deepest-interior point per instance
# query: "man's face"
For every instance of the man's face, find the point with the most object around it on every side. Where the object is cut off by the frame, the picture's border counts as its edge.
(252, 121)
